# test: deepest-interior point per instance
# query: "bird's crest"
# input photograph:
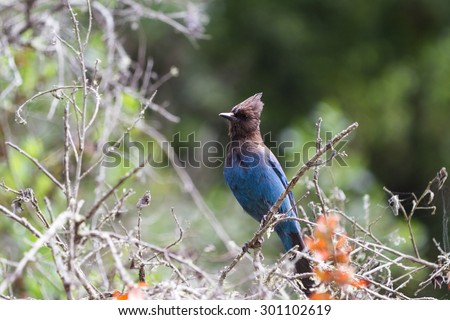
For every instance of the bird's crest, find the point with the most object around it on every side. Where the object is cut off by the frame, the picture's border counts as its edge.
(250, 108)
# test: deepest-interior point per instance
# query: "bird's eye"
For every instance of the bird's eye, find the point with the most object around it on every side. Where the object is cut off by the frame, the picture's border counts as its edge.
(240, 116)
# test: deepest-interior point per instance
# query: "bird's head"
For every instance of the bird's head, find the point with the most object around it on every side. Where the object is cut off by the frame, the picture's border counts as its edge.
(244, 119)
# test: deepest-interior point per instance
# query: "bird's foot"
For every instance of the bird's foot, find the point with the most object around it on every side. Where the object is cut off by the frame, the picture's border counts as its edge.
(245, 247)
(253, 244)
(258, 243)
(263, 221)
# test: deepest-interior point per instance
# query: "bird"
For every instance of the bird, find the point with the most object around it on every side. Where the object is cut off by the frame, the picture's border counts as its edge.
(257, 180)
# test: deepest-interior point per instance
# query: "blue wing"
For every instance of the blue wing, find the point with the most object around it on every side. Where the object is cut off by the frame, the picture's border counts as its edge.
(257, 180)
(280, 173)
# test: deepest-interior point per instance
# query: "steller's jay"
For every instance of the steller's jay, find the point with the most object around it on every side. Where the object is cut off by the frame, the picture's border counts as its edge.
(256, 178)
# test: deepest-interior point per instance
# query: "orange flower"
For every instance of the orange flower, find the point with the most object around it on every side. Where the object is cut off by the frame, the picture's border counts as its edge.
(342, 257)
(323, 275)
(341, 244)
(320, 246)
(333, 249)
(117, 295)
(361, 283)
(134, 293)
(328, 222)
(343, 275)
(320, 296)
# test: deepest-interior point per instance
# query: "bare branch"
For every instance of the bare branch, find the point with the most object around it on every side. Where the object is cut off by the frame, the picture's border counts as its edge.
(21, 220)
(31, 254)
(36, 162)
(111, 190)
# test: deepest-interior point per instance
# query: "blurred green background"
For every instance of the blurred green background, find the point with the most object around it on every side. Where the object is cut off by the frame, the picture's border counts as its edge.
(384, 64)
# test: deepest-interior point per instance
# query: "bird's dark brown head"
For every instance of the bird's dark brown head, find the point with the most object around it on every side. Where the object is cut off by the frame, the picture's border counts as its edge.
(244, 119)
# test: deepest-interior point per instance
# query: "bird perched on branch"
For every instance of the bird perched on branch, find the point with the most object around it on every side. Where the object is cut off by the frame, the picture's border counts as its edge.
(256, 178)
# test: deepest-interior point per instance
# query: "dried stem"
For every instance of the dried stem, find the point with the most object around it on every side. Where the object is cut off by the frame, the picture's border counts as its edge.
(31, 254)
(316, 168)
(37, 163)
(22, 221)
(111, 190)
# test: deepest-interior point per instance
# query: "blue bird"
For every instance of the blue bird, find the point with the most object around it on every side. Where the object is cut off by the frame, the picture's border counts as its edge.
(256, 178)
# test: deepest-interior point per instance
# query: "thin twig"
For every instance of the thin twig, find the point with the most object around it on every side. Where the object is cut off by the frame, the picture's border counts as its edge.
(36, 162)
(316, 168)
(118, 141)
(31, 254)
(20, 119)
(157, 249)
(66, 159)
(61, 269)
(116, 209)
(408, 222)
(143, 202)
(81, 127)
(111, 190)
(358, 226)
(22, 221)
(180, 230)
(119, 266)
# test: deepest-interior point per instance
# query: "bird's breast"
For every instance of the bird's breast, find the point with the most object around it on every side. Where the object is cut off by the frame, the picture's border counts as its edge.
(253, 182)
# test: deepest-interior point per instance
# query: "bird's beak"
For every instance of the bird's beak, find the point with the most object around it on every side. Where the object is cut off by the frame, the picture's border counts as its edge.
(228, 115)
